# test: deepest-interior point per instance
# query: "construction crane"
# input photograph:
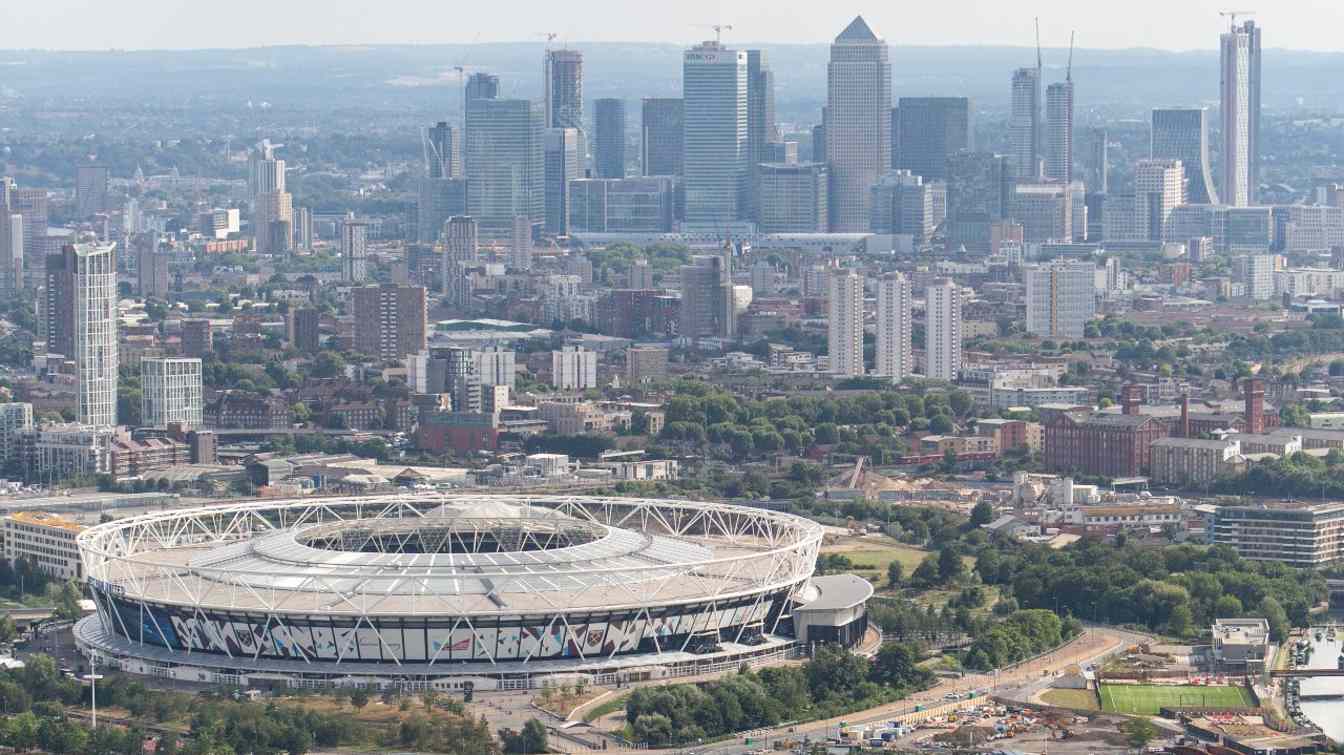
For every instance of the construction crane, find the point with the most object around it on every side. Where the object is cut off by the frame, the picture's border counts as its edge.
(719, 29)
(1231, 15)
(550, 37)
(1068, 70)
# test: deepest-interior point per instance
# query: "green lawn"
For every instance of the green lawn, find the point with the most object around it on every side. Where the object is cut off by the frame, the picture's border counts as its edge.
(611, 705)
(1147, 699)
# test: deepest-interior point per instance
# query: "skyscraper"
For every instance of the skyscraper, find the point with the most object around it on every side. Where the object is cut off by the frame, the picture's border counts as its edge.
(171, 392)
(11, 253)
(563, 164)
(520, 246)
(390, 320)
(793, 197)
(942, 331)
(273, 209)
(440, 199)
(90, 190)
(461, 249)
(844, 337)
(761, 129)
(707, 298)
(1098, 166)
(1024, 123)
(662, 136)
(481, 86)
(609, 138)
(1240, 79)
(1061, 298)
(505, 165)
(93, 270)
(573, 369)
(443, 151)
(895, 354)
(858, 123)
(563, 77)
(931, 129)
(980, 186)
(715, 161)
(1183, 134)
(354, 261)
(1059, 131)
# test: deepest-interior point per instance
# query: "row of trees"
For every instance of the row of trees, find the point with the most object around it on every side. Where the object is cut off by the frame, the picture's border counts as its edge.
(832, 682)
(35, 697)
(1176, 589)
(1021, 635)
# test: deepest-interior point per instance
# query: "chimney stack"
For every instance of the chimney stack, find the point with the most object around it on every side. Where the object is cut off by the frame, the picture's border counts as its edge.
(1185, 415)
(1255, 406)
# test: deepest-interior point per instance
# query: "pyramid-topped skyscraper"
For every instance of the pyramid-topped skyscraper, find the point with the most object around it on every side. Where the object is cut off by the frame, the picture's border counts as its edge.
(858, 123)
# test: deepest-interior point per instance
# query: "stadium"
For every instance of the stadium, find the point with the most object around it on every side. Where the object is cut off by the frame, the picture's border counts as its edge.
(458, 591)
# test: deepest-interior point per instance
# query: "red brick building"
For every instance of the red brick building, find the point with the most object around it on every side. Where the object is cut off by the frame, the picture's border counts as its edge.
(1096, 443)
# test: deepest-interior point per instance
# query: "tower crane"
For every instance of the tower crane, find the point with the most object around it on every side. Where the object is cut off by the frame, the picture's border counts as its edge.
(719, 29)
(1231, 15)
(1068, 70)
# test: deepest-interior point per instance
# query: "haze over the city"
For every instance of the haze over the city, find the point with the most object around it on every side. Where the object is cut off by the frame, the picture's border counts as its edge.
(169, 24)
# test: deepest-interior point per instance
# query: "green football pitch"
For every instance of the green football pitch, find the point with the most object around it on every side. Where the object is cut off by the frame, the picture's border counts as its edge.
(1147, 699)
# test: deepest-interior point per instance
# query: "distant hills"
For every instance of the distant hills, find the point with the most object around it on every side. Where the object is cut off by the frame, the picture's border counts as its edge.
(415, 77)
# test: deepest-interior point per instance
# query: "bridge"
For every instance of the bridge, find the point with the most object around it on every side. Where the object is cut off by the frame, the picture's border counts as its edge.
(1306, 673)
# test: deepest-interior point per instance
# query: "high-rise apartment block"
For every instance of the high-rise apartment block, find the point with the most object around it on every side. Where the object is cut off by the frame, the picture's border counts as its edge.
(303, 327)
(1097, 160)
(1183, 134)
(1024, 123)
(942, 331)
(273, 209)
(461, 246)
(895, 354)
(858, 123)
(716, 161)
(16, 419)
(505, 165)
(573, 369)
(354, 251)
(1240, 87)
(1061, 298)
(1160, 185)
(609, 138)
(930, 130)
(88, 303)
(390, 321)
(844, 338)
(171, 392)
(197, 338)
(1059, 131)
(707, 307)
(662, 136)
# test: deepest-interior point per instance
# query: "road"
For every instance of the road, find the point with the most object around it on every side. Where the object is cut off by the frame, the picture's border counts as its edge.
(1018, 683)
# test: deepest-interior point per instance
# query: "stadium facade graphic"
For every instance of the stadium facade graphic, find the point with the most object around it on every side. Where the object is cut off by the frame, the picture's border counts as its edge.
(494, 591)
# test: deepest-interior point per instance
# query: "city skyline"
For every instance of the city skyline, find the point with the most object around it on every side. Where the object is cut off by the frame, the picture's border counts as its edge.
(66, 25)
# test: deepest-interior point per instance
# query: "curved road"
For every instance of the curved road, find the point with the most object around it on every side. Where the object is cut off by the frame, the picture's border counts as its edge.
(1019, 682)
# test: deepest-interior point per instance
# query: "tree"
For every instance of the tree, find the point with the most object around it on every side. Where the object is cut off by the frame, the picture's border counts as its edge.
(7, 629)
(950, 565)
(1273, 612)
(926, 574)
(532, 739)
(940, 424)
(359, 697)
(894, 573)
(983, 513)
(1139, 732)
(1181, 620)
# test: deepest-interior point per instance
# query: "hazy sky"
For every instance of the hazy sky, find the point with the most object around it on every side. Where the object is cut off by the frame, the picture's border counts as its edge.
(141, 24)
